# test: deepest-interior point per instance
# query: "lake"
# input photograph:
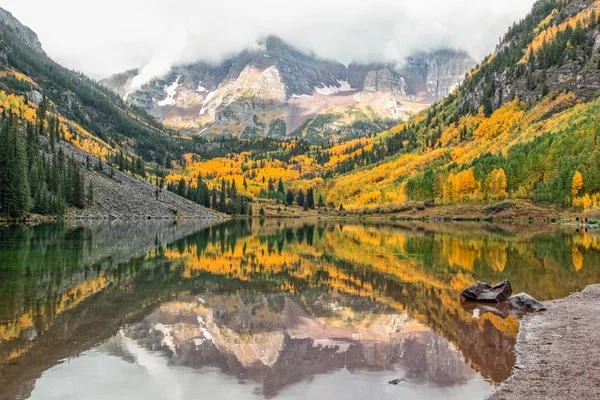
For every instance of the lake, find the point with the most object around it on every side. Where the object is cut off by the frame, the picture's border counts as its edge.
(272, 309)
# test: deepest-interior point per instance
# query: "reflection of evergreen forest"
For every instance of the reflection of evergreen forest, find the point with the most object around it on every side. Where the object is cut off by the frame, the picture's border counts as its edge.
(65, 288)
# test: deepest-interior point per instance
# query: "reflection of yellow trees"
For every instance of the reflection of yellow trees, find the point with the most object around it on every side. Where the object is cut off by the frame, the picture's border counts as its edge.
(496, 257)
(509, 326)
(66, 301)
(587, 241)
(13, 329)
(345, 258)
(577, 258)
(460, 253)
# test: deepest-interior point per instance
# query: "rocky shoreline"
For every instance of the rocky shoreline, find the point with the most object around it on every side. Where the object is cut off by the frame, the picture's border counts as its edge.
(558, 351)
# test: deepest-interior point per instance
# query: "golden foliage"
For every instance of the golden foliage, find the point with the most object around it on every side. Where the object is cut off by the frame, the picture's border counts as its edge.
(577, 184)
(496, 184)
(461, 187)
(547, 35)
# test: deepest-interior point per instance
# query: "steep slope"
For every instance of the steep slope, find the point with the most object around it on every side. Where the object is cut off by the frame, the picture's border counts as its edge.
(523, 126)
(278, 91)
(25, 34)
(66, 151)
(27, 71)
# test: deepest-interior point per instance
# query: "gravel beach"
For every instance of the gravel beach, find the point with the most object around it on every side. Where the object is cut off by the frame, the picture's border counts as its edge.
(558, 351)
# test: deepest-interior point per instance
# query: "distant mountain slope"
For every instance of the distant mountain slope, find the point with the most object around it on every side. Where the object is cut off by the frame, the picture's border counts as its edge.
(278, 91)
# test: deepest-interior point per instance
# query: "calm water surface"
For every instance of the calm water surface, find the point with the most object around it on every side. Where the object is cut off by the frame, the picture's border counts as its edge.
(270, 310)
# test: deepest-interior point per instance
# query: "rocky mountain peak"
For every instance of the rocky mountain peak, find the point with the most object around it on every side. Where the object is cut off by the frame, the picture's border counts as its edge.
(278, 82)
(23, 32)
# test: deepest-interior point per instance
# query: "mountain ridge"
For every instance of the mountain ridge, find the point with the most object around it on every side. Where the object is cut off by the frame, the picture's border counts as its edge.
(55, 123)
(279, 82)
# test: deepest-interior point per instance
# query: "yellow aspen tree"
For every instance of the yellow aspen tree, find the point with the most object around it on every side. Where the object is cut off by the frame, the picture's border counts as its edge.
(496, 184)
(577, 183)
(468, 186)
(501, 183)
(449, 189)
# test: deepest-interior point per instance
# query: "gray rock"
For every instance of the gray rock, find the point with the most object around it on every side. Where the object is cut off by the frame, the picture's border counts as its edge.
(525, 302)
(483, 292)
(397, 381)
(28, 36)
(35, 97)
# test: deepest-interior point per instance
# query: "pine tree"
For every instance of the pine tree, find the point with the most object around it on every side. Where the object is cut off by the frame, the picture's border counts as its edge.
(310, 199)
(271, 188)
(14, 198)
(321, 203)
(233, 191)
(301, 198)
(32, 146)
(181, 188)
(289, 198)
(41, 115)
(90, 194)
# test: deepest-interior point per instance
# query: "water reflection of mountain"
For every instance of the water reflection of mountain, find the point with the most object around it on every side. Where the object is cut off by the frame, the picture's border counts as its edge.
(355, 281)
(278, 340)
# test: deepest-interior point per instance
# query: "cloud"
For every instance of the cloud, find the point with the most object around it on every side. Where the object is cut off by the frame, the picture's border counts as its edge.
(101, 38)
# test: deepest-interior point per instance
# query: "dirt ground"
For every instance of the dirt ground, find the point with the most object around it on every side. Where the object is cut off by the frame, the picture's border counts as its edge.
(558, 351)
(514, 210)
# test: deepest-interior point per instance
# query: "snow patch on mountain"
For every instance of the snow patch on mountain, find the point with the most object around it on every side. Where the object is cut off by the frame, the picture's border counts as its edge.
(342, 347)
(171, 92)
(167, 339)
(329, 90)
(205, 102)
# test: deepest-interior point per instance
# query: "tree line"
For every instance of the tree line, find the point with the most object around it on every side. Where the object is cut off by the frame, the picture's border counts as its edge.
(225, 199)
(35, 173)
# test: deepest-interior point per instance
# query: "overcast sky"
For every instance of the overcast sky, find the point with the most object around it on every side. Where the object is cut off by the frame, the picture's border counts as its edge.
(104, 37)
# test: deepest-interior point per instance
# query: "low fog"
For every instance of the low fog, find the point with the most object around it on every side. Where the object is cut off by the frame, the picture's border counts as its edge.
(102, 38)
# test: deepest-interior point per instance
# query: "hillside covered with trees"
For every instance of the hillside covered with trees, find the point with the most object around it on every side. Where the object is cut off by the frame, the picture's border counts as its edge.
(522, 127)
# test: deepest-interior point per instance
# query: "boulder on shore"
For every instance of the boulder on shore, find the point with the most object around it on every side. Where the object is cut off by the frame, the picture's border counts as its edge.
(483, 292)
(525, 302)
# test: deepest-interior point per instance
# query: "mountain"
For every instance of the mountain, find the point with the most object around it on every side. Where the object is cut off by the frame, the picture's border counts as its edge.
(518, 137)
(28, 71)
(26, 35)
(71, 147)
(278, 91)
(522, 127)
